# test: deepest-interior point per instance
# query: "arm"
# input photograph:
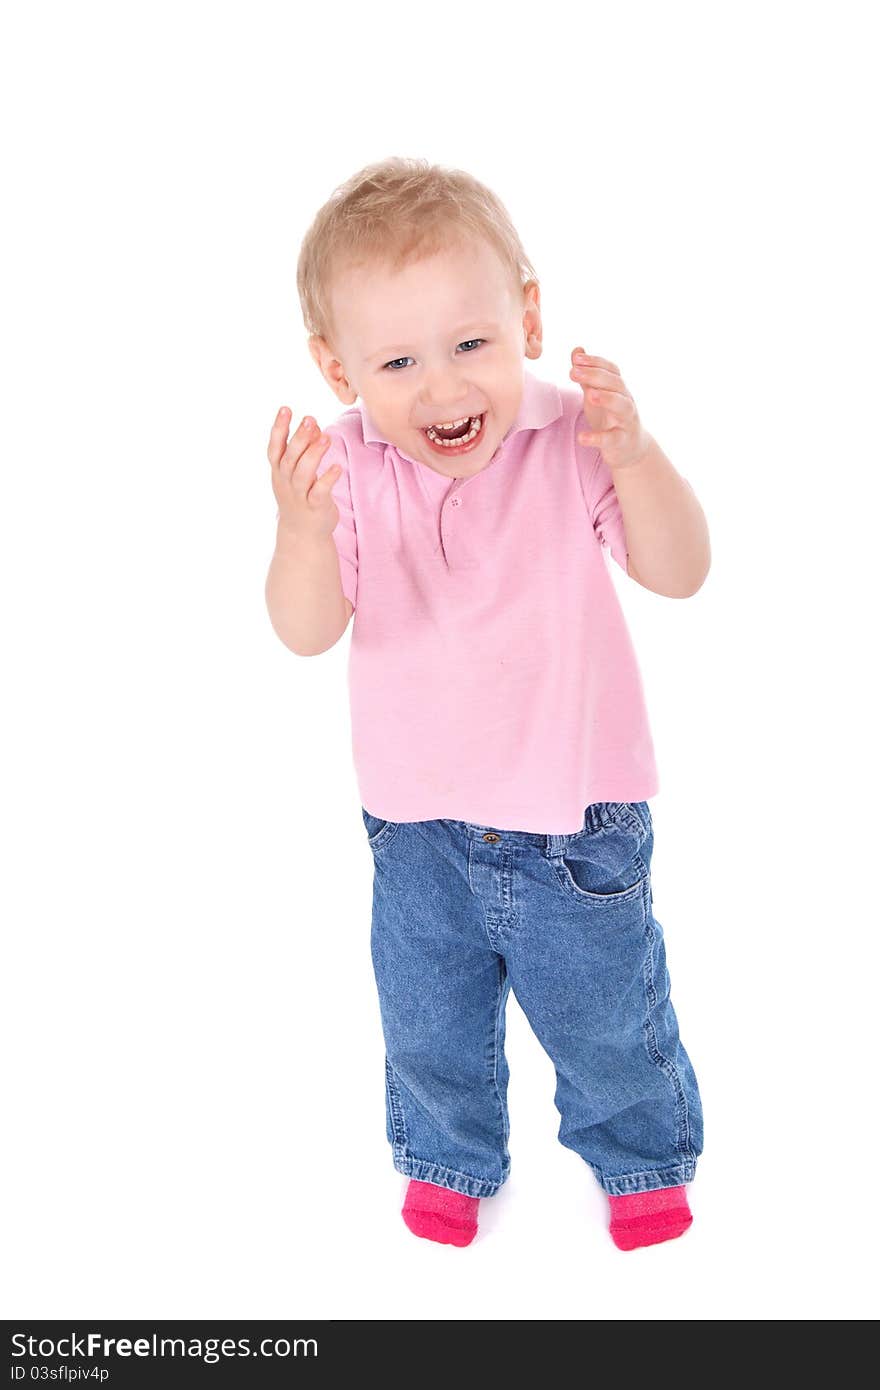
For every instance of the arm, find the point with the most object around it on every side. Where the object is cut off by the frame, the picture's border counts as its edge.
(307, 607)
(665, 531)
(667, 536)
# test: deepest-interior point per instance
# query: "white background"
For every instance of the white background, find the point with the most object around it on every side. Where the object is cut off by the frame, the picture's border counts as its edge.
(193, 1056)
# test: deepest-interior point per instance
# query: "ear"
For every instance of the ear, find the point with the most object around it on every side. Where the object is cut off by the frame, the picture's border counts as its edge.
(332, 370)
(532, 330)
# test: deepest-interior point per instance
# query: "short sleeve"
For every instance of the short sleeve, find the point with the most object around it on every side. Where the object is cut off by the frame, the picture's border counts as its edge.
(345, 534)
(603, 505)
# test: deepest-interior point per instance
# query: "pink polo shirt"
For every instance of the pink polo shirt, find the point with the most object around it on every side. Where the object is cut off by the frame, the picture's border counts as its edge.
(491, 674)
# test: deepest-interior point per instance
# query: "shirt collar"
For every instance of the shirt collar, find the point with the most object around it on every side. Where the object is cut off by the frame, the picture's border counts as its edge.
(541, 404)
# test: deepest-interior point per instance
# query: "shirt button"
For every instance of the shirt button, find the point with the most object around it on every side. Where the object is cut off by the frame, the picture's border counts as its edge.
(456, 502)
(491, 838)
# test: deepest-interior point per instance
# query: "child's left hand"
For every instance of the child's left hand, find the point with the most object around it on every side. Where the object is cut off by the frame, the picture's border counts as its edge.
(613, 424)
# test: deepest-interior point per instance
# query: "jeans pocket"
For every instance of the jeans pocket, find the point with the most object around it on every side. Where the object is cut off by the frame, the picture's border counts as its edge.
(604, 865)
(379, 831)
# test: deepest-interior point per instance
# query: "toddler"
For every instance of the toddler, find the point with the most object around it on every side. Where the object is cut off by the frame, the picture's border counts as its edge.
(459, 508)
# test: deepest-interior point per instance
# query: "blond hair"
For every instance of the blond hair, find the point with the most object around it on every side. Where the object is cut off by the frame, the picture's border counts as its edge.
(396, 211)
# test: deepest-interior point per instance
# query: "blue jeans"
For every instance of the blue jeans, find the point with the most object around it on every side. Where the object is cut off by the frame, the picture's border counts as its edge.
(462, 913)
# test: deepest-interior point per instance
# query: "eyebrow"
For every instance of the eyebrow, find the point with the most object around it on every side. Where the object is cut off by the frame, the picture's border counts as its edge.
(474, 323)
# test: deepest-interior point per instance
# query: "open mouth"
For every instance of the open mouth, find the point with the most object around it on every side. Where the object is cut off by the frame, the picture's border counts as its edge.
(455, 436)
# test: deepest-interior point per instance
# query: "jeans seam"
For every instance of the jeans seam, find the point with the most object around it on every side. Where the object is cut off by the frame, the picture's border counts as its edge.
(398, 1123)
(505, 1128)
(676, 1175)
(641, 1172)
(426, 1170)
(668, 1067)
(634, 821)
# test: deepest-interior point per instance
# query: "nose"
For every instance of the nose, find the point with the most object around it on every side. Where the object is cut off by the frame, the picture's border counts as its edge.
(444, 392)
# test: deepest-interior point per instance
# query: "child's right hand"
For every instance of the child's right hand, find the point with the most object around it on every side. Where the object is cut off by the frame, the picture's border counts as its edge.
(306, 508)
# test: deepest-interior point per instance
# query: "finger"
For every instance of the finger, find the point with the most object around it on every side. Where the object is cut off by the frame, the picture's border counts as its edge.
(321, 486)
(597, 376)
(280, 447)
(599, 439)
(305, 469)
(590, 360)
(622, 407)
(278, 436)
(306, 437)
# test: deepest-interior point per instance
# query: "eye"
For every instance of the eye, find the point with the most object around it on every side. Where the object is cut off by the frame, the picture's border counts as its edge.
(395, 360)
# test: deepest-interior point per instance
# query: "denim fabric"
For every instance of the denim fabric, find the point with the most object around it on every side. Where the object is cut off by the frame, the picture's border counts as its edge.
(461, 914)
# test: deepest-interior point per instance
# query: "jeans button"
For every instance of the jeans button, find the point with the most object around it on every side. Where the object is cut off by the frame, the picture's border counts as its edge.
(491, 838)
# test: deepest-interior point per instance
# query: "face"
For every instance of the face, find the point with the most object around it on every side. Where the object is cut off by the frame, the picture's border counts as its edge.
(440, 340)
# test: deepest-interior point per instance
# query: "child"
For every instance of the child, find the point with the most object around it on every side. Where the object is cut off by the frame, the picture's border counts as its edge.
(500, 739)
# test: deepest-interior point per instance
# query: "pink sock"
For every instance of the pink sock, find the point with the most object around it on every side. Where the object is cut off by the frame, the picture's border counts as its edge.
(438, 1213)
(646, 1218)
